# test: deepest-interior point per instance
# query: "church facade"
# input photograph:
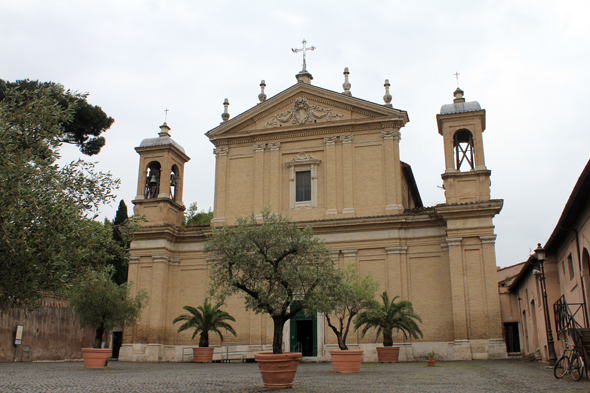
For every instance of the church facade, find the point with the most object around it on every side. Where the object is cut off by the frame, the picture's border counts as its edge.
(331, 161)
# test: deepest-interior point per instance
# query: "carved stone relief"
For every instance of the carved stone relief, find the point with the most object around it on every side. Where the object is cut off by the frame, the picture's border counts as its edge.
(301, 113)
(221, 151)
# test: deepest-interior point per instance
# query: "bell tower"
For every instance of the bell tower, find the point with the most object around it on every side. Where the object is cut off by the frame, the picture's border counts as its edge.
(466, 178)
(160, 180)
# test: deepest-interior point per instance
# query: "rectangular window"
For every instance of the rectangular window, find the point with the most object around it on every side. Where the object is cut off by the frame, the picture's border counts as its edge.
(303, 186)
(570, 265)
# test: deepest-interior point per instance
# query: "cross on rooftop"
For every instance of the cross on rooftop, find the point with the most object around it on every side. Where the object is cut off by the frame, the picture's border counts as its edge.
(166, 115)
(457, 76)
(304, 49)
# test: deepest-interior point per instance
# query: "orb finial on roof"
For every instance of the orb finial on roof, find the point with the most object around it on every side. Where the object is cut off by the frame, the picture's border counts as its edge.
(225, 114)
(262, 96)
(387, 97)
(346, 85)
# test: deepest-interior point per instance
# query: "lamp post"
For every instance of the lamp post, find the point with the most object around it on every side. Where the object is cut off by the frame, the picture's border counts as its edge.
(540, 254)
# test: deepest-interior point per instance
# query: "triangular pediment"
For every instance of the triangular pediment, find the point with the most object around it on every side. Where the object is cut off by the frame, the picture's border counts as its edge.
(305, 106)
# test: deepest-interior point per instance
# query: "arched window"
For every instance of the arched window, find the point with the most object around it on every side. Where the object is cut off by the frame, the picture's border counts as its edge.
(152, 180)
(173, 182)
(463, 141)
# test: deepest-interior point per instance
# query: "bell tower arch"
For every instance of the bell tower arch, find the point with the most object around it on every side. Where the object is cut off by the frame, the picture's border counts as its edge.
(466, 178)
(160, 180)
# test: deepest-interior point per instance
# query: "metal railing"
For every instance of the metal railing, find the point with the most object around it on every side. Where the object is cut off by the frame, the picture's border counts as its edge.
(566, 323)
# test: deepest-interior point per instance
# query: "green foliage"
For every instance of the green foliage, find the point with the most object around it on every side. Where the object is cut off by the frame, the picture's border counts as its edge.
(342, 299)
(103, 304)
(431, 355)
(47, 232)
(204, 319)
(86, 123)
(120, 236)
(192, 217)
(275, 265)
(388, 316)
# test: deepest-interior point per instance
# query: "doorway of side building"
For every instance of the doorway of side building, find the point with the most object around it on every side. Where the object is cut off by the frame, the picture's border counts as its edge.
(304, 334)
(512, 337)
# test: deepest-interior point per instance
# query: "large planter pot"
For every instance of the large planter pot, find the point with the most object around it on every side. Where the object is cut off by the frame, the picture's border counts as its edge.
(347, 361)
(96, 357)
(278, 370)
(430, 362)
(203, 355)
(387, 354)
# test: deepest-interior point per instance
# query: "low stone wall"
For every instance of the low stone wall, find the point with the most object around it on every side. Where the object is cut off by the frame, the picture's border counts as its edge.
(409, 352)
(51, 332)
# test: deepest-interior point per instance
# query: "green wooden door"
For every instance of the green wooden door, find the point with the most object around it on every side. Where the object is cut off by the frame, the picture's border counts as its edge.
(304, 334)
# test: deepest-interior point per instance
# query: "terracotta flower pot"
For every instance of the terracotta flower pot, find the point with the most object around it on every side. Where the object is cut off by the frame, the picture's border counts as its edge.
(430, 362)
(278, 371)
(203, 355)
(347, 361)
(96, 357)
(388, 354)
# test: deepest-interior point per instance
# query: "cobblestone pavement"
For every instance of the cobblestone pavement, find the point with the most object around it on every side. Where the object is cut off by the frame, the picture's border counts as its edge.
(473, 376)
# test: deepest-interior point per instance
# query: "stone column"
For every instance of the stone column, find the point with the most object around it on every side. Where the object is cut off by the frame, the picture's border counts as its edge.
(275, 182)
(220, 186)
(259, 179)
(347, 176)
(393, 176)
(397, 271)
(133, 276)
(331, 175)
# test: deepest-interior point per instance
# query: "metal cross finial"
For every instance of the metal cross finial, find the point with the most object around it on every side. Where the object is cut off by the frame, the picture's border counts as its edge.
(166, 115)
(304, 49)
(457, 76)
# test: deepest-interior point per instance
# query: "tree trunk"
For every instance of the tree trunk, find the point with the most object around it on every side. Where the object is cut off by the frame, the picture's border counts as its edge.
(387, 338)
(277, 339)
(204, 340)
(98, 337)
(339, 336)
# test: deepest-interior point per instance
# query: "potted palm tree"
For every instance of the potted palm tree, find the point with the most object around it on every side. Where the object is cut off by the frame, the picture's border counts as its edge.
(431, 358)
(340, 302)
(276, 266)
(103, 304)
(204, 319)
(385, 318)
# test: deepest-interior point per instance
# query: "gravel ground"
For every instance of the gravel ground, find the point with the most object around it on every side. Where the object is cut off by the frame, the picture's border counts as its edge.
(129, 377)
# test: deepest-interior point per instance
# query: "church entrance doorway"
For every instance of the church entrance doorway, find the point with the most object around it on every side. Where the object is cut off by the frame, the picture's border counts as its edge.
(304, 334)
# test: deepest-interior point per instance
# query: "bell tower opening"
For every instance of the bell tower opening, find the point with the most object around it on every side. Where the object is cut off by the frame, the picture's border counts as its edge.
(173, 182)
(152, 181)
(463, 142)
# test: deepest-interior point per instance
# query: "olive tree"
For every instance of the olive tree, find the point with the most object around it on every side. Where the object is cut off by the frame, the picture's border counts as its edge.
(275, 265)
(342, 300)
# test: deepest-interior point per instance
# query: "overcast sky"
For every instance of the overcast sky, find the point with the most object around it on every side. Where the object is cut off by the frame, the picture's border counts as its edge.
(526, 62)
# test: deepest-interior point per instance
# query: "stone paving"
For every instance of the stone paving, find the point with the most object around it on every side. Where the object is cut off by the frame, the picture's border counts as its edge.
(472, 376)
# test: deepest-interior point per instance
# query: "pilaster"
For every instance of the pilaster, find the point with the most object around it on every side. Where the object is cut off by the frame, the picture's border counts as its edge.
(347, 158)
(158, 300)
(349, 256)
(220, 185)
(259, 179)
(458, 288)
(397, 271)
(391, 138)
(331, 175)
(274, 175)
